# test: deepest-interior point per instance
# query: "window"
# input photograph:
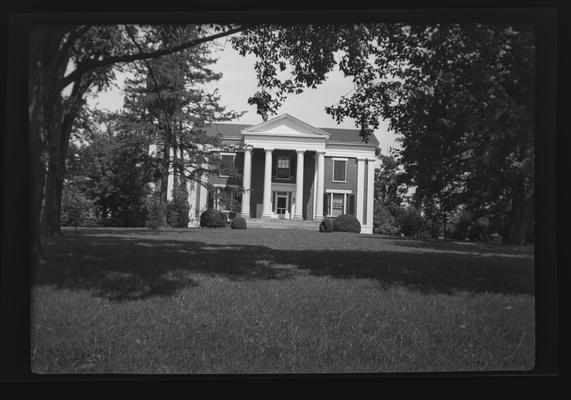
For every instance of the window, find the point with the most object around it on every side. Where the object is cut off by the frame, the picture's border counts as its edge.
(226, 199)
(227, 165)
(339, 170)
(339, 202)
(283, 167)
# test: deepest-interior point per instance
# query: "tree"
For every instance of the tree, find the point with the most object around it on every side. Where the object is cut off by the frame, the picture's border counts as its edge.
(65, 62)
(410, 221)
(112, 167)
(389, 183)
(461, 96)
(168, 97)
(77, 209)
(389, 189)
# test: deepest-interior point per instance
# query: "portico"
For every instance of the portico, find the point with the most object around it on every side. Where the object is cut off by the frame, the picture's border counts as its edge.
(292, 141)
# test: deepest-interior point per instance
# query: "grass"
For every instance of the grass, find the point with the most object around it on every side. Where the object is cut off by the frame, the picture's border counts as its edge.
(279, 301)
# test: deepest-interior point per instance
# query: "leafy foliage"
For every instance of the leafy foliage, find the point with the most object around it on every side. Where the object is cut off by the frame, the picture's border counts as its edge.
(168, 100)
(156, 210)
(411, 222)
(66, 63)
(390, 188)
(461, 96)
(383, 220)
(77, 208)
(113, 168)
(178, 207)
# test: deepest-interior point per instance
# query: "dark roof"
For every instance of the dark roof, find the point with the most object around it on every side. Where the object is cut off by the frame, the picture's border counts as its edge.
(348, 136)
(226, 130)
(335, 134)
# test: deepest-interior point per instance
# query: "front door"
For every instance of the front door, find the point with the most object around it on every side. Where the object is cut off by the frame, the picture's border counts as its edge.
(281, 204)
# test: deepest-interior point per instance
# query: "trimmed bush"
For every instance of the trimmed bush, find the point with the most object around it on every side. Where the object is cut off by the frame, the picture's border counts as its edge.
(326, 225)
(238, 223)
(347, 223)
(213, 219)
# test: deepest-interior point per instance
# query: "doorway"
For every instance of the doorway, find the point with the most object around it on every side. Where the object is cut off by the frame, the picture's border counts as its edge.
(282, 204)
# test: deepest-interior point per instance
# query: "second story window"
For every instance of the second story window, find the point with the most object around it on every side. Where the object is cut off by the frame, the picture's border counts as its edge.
(227, 165)
(283, 167)
(339, 170)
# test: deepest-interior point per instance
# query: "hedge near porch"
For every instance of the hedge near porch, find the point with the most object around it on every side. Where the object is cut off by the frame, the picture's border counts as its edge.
(346, 223)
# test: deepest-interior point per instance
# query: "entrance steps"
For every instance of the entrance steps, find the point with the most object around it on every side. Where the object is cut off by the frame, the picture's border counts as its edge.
(277, 223)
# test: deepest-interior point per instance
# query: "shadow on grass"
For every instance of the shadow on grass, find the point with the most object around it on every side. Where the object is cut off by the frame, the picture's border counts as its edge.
(461, 247)
(127, 268)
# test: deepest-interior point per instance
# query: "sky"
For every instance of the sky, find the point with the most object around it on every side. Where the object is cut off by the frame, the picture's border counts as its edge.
(239, 82)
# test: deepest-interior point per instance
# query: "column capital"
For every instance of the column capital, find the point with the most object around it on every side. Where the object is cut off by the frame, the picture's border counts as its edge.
(248, 148)
(298, 151)
(268, 150)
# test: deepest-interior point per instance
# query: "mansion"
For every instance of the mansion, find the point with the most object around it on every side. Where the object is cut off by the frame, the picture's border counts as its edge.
(288, 169)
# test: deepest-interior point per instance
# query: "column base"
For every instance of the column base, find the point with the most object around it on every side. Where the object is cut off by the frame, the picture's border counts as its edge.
(318, 219)
(267, 217)
(366, 230)
(298, 218)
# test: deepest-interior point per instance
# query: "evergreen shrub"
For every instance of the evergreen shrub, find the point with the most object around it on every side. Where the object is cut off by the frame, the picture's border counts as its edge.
(326, 225)
(238, 223)
(347, 223)
(213, 219)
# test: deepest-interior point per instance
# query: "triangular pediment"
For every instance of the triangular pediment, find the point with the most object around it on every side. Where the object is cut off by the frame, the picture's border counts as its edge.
(285, 125)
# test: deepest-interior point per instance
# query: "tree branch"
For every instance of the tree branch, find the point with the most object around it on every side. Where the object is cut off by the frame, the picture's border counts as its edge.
(94, 64)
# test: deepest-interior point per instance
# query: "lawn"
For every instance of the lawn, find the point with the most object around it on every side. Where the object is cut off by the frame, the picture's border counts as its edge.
(279, 301)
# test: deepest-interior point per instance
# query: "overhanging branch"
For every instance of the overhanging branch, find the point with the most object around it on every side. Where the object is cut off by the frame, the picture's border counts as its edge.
(125, 58)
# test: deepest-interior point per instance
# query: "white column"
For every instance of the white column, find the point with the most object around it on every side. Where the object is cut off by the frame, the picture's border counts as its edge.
(170, 182)
(370, 195)
(299, 186)
(203, 192)
(246, 181)
(320, 185)
(267, 210)
(360, 198)
(314, 185)
(192, 220)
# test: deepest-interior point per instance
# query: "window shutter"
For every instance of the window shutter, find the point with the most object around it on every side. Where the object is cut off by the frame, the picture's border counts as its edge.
(351, 205)
(326, 204)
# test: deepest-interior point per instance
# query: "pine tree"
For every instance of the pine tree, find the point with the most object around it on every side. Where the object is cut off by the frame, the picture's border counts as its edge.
(168, 96)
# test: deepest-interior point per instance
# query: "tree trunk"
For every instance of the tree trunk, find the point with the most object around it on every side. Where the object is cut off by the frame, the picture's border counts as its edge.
(444, 224)
(38, 170)
(47, 66)
(519, 214)
(43, 112)
(60, 133)
(163, 189)
(175, 168)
